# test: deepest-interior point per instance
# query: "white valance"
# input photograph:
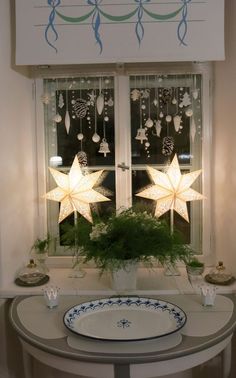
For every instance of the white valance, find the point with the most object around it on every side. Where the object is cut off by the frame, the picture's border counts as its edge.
(114, 31)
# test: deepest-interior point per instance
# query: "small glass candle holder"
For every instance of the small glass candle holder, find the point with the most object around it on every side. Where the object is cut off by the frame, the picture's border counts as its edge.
(208, 295)
(51, 296)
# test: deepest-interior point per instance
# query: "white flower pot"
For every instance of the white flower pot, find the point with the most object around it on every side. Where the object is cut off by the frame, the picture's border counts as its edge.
(125, 278)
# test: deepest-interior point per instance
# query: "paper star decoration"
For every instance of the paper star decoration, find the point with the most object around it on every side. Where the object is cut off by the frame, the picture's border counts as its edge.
(171, 190)
(75, 191)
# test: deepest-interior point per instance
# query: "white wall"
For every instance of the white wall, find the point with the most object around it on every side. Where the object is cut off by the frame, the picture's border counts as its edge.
(17, 156)
(17, 183)
(224, 144)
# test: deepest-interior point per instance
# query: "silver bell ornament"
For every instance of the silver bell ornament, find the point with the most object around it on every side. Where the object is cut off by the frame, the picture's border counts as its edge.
(104, 147)
(141, 135)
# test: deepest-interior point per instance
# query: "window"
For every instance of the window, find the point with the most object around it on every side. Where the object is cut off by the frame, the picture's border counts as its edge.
(121, 120)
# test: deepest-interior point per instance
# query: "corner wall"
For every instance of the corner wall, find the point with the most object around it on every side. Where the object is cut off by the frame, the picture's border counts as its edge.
(224, 144)
(17, 163)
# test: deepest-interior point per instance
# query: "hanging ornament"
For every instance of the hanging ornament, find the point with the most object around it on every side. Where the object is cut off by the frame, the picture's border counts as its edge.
(189, 112)
(195, 90)
(80, 107)
(158, 128)
(135, 94)
(177, 121)
(175, 96)
(141, 132)
(192, 129)
(104, 147)
(46, 98)
(57, 118)
(67, 122)
(100, 103)
(167, 145)
(92, 98)
(110, 102)
(195, 94)
(161, 115)
(166, 95)
(100, 99)
(95, 138)
(61, 101)
(186, 101)
(168, 118)
(145, 93)
(155, 102)
(149, 123)
(174, 101)
(106, 118)
(141, 135)
(82, 158)
(80, 136)
(67, 116)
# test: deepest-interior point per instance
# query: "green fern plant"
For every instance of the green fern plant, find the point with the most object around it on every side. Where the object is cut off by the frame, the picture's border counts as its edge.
(41, 246)
(130, 235)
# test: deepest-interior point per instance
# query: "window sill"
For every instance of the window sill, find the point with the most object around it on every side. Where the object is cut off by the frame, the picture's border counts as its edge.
(149, 282)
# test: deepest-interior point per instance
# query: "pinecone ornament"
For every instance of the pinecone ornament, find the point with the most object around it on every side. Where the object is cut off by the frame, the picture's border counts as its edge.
(167, 145)
(82, 158)
(80, 107)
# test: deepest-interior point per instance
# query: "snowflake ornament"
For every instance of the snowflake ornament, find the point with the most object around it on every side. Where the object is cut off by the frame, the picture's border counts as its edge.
(135, 95)
(46, 98)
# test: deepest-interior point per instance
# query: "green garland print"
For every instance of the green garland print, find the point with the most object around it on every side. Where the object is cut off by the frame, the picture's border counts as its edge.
(97, 16)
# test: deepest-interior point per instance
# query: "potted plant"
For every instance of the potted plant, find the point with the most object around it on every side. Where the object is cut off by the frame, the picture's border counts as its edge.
(40, 246)
(40, 251)
(127, 238)
(194, 266)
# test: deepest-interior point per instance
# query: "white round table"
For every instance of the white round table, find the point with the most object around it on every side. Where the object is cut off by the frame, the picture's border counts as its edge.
(208, 332)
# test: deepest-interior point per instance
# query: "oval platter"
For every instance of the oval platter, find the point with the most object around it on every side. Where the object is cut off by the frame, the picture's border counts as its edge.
(126, 318)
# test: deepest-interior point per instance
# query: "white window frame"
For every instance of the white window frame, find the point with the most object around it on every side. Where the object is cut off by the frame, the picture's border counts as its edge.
(122, 122)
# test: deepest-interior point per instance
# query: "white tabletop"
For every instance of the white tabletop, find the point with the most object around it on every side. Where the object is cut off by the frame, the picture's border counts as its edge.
(207, 329)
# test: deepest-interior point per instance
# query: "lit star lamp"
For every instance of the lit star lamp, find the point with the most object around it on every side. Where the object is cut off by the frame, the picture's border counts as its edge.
(75, 191)
(171, 190)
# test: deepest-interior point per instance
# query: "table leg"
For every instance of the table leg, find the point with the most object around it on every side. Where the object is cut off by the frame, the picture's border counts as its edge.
(226, 361)
(28, 364)
(121, 371)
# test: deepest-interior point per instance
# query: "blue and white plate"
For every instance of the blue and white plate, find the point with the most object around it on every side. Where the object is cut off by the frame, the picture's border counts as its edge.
(125, 318)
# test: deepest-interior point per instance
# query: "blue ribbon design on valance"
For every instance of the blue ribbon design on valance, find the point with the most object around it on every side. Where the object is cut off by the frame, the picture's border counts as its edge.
(97, 13)
(53, 4)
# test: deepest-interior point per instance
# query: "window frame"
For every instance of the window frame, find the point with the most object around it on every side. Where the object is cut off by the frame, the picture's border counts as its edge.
(121, 73)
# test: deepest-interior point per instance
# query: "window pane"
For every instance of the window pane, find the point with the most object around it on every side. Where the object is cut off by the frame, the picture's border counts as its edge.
(165, 117)
(166, 120)
(80, 117)
(79, 120)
